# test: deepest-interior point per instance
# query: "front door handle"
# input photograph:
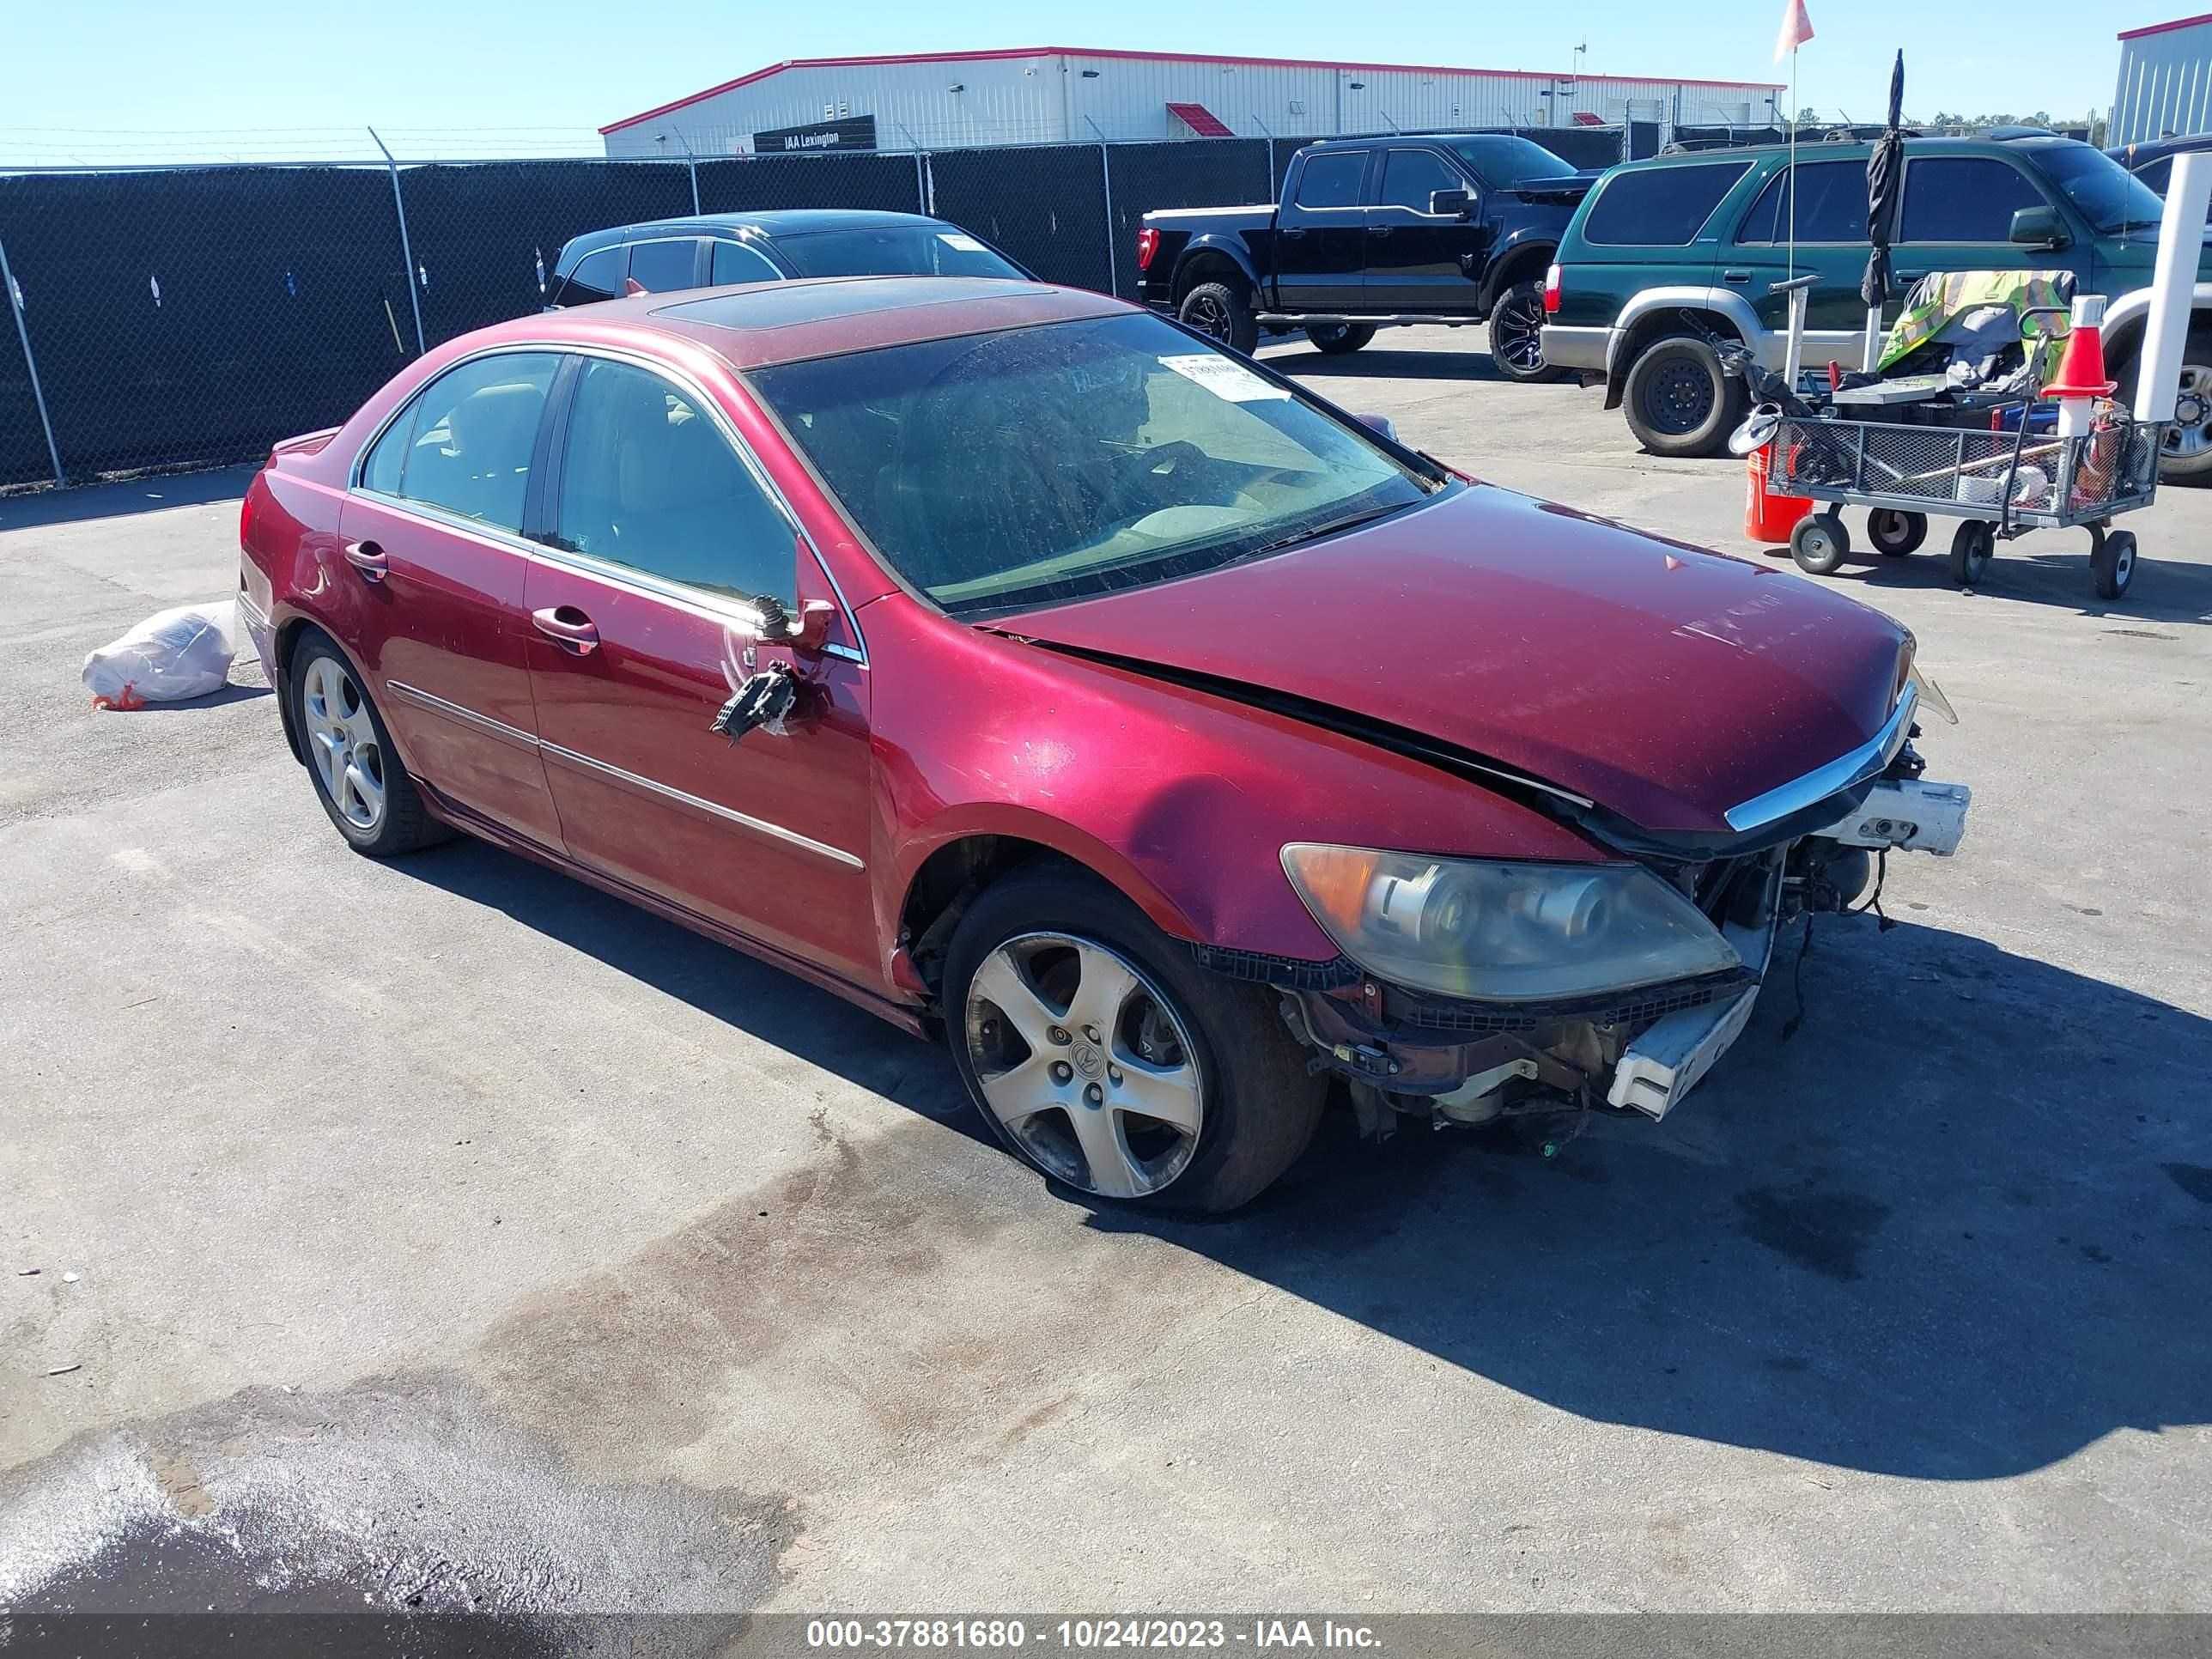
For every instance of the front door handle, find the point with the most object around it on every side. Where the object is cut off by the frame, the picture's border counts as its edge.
(1736, 275)
(1380, 230)
(568, 628)
(367, 558)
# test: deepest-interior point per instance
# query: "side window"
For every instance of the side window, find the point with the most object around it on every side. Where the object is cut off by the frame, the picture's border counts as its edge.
(1659, 207)
(598, 276)
(649, 481)
(665, 266)
(736, 263)
(1832, 206)
(1331, 179)
(2155, 175)
(1410, 176)
(1962, 198)
(464, 444)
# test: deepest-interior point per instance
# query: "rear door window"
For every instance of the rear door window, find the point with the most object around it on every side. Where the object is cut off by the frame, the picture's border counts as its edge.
(598, 276)
(1332, 180)
(648, 481)
(1963, 198)
(464, 444)
(1410, 177)
(1661, 207)
(1832, 206)
(736, 263)
(663, 267)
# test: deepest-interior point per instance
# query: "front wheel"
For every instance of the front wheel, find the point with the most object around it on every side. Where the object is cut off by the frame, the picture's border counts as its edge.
(1820, 544)
(1099, 1051)
(2112, 561)
(1972, 546)
(1678, 400)
(1223, 314)
(1516, 335)
(1338, 338)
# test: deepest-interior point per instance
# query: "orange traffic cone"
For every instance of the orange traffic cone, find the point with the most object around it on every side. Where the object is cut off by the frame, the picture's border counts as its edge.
(2081, 379)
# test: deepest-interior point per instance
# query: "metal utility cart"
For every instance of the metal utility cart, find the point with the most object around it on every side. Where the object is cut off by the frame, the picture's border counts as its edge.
(1999, 483)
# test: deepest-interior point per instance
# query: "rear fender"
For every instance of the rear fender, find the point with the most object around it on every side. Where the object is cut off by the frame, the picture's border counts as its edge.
(1656, 312)
(1200, 258)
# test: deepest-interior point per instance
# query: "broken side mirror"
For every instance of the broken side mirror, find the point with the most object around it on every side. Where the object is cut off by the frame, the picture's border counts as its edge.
(808, 632)
(1450, 203)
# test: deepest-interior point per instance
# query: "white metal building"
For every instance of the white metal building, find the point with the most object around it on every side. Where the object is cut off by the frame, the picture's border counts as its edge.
(1061, 94)
(2166, 80)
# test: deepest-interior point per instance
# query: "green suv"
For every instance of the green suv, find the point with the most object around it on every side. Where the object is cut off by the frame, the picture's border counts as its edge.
(1664, 251)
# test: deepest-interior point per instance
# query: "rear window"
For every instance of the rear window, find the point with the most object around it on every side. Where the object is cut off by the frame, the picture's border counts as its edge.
(1963, 198)
(597, 276)
(1832, 206)
(1332, 180)
(1662, 207)
(665, 267)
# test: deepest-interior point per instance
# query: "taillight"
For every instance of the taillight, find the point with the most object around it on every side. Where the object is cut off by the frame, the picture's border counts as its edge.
(245, 517)
(1148, 244)
(1552, 292)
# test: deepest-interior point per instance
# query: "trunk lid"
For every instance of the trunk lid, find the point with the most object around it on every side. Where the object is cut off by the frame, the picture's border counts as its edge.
(1664, 683)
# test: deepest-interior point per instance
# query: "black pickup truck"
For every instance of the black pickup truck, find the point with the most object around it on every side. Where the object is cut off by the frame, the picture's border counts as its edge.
(1439, 228)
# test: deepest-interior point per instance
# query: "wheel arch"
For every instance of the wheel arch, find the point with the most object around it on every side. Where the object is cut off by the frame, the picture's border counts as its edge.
(1649, 318)
(1213, 261)
(1518, 262)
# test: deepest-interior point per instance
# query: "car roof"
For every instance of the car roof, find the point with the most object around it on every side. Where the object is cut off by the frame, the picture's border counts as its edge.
(787, 222)
(1816, 149)
(2151, 150)
(759, 325)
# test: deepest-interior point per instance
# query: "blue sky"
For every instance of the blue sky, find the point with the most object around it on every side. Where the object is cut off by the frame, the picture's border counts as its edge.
(85, 81)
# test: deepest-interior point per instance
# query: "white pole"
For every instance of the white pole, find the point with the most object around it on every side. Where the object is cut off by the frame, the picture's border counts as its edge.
(2173, 286)
(1794, 107)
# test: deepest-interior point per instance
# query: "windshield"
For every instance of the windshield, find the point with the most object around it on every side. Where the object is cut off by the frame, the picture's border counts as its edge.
(1003, 471)
(1505, 162)
(893, 251)
(2101, 189)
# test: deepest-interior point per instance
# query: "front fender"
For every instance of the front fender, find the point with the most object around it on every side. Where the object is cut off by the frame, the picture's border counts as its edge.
(1183, 800)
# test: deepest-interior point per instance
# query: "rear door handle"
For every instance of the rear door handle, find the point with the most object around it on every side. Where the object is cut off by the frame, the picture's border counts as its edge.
(1380, 230)
(568, 628)
(367, 558)
(1736, 275)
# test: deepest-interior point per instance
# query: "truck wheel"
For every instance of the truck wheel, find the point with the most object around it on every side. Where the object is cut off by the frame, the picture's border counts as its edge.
(1678, 401)
(1221, 313)
(1516, 335)
(1338, 338)
(2187, 456)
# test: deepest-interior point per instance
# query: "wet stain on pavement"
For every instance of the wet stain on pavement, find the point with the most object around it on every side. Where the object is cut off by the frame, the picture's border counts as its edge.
(1824, 1232)
(403, 1495)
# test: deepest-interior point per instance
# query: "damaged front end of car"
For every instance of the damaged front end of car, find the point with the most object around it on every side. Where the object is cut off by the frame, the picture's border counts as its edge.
(1471, 992)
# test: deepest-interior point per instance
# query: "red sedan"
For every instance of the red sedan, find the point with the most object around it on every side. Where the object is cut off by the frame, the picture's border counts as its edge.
(1024, 668)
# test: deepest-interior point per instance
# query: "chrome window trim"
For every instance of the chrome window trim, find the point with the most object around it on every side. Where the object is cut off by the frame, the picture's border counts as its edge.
(668, 792)
(437, 705)
(700, 600)
(1841, 772)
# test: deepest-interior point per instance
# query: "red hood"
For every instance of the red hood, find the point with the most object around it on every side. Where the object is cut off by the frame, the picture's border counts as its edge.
(1665, 682)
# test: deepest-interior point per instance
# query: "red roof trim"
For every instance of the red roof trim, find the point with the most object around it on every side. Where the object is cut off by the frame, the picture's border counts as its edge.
(1192, 58)
(2161, 28)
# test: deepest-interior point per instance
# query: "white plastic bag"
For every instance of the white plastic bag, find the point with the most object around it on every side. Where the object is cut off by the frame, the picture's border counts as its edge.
(179, 653)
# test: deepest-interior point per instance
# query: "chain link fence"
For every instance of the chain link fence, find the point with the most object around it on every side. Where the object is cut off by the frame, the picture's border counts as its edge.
(192, 316)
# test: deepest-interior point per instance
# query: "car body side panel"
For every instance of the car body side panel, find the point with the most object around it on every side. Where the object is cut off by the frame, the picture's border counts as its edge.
(1182, 799)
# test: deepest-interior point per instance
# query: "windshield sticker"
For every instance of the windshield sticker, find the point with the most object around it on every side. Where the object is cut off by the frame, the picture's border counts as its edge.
(1225, 379)
(960, 241)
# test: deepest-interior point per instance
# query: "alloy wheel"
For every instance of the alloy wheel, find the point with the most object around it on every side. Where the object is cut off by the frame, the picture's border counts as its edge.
(2190, 435)
(1086, 1065)
(1516, 334)
(342, 741)
(1209, 316)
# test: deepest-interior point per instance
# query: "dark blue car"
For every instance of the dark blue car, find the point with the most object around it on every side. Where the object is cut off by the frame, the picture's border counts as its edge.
(708, 249)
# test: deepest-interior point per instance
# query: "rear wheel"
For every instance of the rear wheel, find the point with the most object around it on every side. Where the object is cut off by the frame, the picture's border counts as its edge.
(1678, 401)
(1099, 1051)
(1221, 313)
(1516, 335)
(358, 776)
(2186, 456)
(1338, 338)
(1895, 532)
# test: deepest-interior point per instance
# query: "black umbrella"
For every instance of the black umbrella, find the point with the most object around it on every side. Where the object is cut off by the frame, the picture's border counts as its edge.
(1884, 172)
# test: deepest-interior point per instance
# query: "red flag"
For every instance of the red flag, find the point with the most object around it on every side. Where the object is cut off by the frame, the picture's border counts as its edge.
(1797, 29)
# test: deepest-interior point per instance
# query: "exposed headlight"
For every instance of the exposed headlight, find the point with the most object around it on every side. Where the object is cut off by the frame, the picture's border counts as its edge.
(1504, 931)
